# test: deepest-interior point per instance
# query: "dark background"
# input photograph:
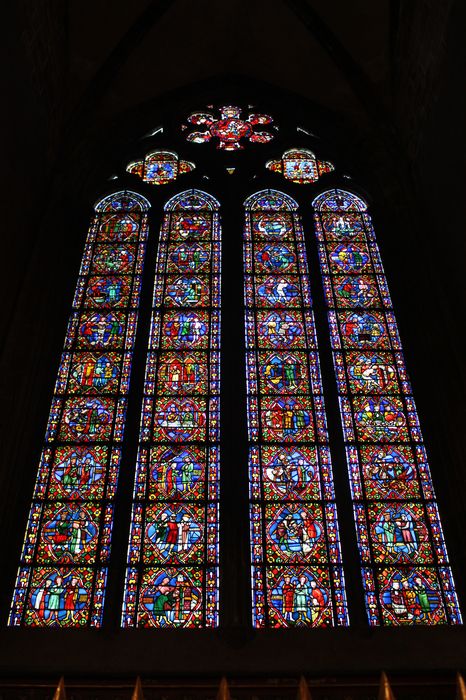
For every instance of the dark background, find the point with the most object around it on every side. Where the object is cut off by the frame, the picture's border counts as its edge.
(380, 85)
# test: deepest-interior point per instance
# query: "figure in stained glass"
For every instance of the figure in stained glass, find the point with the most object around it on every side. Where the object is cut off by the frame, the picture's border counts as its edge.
(59, 597)
(191, 226)
(275, 257)
(287, 419)
(180, 419)
(282, 372)
(186, 291)
(171, 598)
(389, 472)
(280, 329)
(182, 373)
(291, 472)
(77, 469)
(363, 329)
(342, 227)
(184, 329)
(69, 533)
(87, 419)
(399, 533)
(272, 226)
(380, 419)
(356, 291)
(118, 229)
(299, 597)
(277, 291)
(349, 257)
(411, 596)
(190, 257)
(108, 292)
(100, 330)
(94, 373)
(175, 533)
(371, 373)
(160, 167)
(177, 471)
(295, 531)
(113, 259)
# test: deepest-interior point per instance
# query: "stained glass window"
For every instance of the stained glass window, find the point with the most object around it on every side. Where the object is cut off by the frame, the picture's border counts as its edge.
(297, 578)
(172, 575)
(229, 128)
(160, 167)
(300, 166)
(406, 576)
(62, 576)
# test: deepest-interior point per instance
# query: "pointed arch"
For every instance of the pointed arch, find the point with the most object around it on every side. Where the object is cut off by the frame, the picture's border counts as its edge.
(406, 575)
(62, 576)
(172, 574)
(297, 577)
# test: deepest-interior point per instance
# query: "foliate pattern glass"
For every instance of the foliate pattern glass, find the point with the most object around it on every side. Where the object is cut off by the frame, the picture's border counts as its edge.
(172, 574)
(160, 167)
(62, 575)
(405, 571)
(300, 166)
(297, 577)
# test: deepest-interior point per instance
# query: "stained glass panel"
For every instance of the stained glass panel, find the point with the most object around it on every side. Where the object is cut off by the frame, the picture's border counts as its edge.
(297, 577)
(172, 574)
(406, 577)
(300, 165)
(160, 167)
(62, 576)
(230, 129)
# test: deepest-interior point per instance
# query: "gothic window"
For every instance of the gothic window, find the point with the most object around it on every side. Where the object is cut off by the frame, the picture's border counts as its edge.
(171, 572)
(63, 570)
(406, 576)
(172, 576)
(297, 578)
